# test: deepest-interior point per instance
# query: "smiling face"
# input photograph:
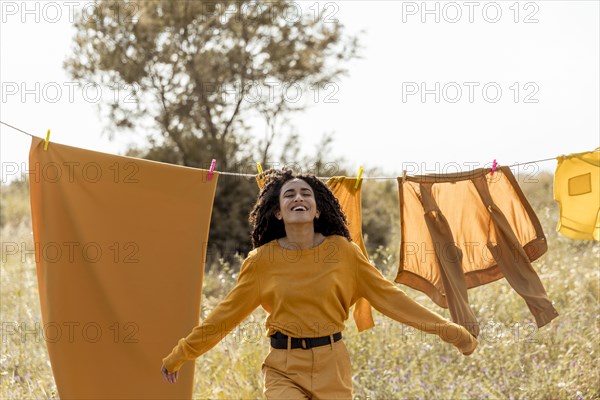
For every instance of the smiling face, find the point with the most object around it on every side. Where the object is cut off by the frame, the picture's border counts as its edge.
(297, 203)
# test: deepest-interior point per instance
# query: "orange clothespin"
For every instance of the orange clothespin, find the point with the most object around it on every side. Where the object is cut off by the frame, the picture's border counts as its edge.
(360, 172)
(47, 140)
(494, 164)
(212, 168)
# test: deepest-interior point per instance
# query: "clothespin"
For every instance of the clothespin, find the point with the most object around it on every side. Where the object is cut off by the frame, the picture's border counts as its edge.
(403, 175)
(46, 141)
(212, 168)
(494, 164)
(360, 171)
(260, 180)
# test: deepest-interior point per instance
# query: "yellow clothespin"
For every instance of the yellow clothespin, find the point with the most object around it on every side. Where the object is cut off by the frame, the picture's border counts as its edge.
(46, 141)
(360, 171)
(260, 180)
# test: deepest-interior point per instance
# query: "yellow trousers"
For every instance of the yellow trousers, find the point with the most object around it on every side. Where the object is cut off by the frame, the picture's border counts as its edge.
(322, 372)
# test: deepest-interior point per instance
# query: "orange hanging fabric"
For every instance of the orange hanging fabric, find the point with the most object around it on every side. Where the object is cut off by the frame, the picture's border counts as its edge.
(463, 230)
(120, 249)
(350, 200)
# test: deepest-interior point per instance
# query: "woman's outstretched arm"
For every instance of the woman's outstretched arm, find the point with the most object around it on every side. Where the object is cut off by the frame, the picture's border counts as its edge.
(390, 300)
(237, 305)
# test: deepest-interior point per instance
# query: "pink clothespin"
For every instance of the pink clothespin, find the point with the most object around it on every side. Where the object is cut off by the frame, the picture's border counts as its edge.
(494, 164)
(212, 168)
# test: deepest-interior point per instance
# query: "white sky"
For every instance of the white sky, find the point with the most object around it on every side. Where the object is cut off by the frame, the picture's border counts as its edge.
(554, 61)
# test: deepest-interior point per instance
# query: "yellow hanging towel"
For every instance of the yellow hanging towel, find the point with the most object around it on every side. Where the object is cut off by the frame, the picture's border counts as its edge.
(577, 191)
(120, 245)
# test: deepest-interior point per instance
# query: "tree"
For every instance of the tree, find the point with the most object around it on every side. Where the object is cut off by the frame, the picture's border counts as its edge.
(195, 72)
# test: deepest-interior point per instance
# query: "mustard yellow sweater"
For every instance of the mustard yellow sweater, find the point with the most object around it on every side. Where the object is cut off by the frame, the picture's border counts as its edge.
(308, 293)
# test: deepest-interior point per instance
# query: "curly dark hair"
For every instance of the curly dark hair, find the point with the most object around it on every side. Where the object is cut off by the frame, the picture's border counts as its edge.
(266, 227)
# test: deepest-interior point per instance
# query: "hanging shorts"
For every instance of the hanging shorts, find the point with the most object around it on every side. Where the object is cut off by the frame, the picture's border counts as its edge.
(322, 372)
(467, 229)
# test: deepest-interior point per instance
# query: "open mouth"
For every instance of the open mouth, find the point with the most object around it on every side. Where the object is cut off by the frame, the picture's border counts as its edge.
(299, 208)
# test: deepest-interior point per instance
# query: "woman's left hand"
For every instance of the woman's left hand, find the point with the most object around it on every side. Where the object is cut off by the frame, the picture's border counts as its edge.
(170, 377)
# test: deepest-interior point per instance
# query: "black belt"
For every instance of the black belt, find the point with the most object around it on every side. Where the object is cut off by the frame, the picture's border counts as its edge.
(279, 341)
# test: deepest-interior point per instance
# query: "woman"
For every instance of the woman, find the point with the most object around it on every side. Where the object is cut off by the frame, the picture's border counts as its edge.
(306, 273)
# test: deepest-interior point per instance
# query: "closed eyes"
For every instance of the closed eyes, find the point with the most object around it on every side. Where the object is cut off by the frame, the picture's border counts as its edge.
(291, 195)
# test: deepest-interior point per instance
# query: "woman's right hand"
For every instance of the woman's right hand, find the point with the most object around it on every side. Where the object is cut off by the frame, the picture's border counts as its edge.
(170, 377)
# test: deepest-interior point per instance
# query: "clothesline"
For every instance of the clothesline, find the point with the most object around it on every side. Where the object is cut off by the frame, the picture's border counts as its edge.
(363, 177)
